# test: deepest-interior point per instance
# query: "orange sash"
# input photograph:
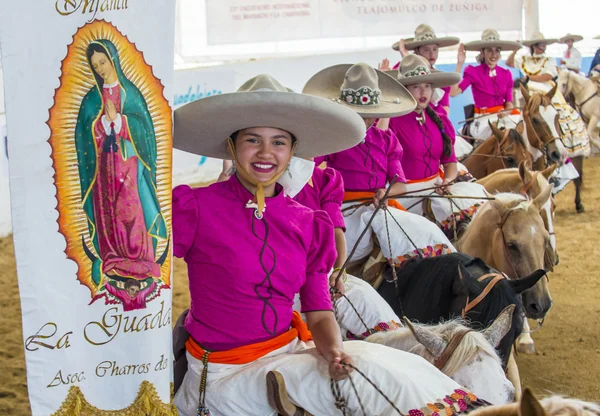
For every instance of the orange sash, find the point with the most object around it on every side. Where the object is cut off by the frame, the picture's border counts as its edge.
(496, 109)
(351, 196)
(432, 177)
(249, 353)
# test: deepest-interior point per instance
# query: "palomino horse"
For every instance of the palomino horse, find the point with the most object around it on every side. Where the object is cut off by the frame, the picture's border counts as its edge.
(506, 148)
(466, 356)
(550, 406)
(508, 233)
(586, 99)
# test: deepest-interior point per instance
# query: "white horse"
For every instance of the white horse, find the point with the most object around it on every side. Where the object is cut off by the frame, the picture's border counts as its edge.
(587, 100)
(473, 362)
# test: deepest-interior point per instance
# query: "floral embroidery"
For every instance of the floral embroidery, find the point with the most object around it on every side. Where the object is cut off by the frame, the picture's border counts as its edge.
(425, 36)
(429, 251)
(448, 223)
(458, 402)
(418, 71)
(380, 327)
(361, 96)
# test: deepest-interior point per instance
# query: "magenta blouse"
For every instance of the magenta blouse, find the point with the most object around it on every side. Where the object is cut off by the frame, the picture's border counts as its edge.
(244, 272)
(489, 90)
(422, 144)
(325, 191)
(369, 165)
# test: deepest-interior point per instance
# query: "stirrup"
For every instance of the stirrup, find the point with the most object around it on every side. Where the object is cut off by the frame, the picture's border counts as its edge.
(278, 396)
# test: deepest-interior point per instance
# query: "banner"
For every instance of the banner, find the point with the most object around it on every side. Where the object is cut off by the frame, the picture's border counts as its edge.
(248, 21)
(87, 89)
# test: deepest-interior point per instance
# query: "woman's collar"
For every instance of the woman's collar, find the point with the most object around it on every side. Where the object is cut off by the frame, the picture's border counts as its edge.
(114, 84)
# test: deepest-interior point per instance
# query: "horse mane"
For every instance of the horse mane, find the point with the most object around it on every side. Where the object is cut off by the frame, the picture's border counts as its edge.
(518, 138)
(562, 406)
(467, 350)
(510, 200)
(537, 99)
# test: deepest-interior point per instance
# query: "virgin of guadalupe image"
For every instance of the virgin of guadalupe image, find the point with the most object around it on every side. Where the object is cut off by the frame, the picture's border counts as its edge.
(116, 153)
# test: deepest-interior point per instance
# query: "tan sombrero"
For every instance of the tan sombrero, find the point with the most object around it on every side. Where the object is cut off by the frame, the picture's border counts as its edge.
(415, 69)
(538, 37)
(320, 126)
(574, 38)
(424, 35)
(367, 91)
(490, 38)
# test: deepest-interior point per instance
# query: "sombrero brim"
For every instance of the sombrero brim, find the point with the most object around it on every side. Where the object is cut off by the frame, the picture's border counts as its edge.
(395, 100)
(575, 38)
(437, 79)
(506, 45)
(410, 44)
(533, 42)
(320, 126)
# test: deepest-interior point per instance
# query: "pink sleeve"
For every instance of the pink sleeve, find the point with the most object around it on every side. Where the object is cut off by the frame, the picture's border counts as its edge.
(321, 159)
(332, 196)
(149, 289)
(509, 88)
(468, 78)
(396, 66)
(394, 154)
(314, 294)
(113, 291)
(185, 219)
(449, 128)
(445, 101)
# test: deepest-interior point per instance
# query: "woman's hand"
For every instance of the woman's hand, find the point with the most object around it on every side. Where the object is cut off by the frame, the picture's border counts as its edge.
(402, 49)
(339, 285)
(227, 171)
(336, 370)
(378, 197)
(462, 54)
(111, 111)
(384, 65)
(442, 189)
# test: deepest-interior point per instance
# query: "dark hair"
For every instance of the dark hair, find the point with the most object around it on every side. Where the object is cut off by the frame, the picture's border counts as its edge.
(438, 122)
(235, 135)
(531, 50)
(132, 282)
(97, 48)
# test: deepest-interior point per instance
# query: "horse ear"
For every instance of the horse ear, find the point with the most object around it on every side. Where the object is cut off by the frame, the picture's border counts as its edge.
(543, 197)
(524, 283)
(497, 132)
(530, 406)
(551, 93)
(500, 327)
(549, 171)
(460, 291)
(524, 92)
(524, 172)
(429, 339)
(520, 127)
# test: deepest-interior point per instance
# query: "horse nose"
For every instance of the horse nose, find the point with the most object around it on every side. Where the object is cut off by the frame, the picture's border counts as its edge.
(555, 156)
(537, 310)
(557, 259)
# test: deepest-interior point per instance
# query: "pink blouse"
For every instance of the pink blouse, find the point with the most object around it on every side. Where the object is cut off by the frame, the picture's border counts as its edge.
(489, 90)
(325, 192)
(244, 272)
(371, 164)
(423, 144)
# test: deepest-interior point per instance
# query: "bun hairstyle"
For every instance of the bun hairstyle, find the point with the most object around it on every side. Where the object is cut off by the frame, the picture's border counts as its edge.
(480, 58)
(438, 122)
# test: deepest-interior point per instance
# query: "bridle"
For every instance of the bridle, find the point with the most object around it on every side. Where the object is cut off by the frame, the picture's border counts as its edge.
(574, 100)
(542, 143)
(450, 349)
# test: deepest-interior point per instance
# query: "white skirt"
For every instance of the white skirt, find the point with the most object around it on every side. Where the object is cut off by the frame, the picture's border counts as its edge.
(480, 128)
(410, 382)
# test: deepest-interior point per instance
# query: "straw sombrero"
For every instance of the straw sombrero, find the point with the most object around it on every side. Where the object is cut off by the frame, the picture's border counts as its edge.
(415, 69)
(367, 91)
(574, 38)
(538, 37)
(320, 126)
(490, 38)
(424, 35)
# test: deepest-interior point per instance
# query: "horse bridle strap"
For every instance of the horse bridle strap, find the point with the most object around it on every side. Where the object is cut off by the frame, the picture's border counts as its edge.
(497, 277)
(443, 359)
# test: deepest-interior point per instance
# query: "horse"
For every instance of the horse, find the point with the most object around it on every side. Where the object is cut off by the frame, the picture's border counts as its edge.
(586, 100)
(526, 182)
(447, 292)
(506, 148)
(529, 405)
(466, 356)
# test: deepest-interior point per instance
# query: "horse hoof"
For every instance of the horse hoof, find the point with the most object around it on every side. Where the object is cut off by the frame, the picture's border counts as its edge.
(580, 209)
(526, 348)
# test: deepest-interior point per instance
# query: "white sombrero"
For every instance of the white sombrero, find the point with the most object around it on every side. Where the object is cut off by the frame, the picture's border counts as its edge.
(538, 37)
(490, 38)
(574, 38)
(415, 69)
(367, 91)
(425, 35)
(320, 126)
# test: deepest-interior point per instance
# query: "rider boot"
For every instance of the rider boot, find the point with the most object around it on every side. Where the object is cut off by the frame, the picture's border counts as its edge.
(278, 396)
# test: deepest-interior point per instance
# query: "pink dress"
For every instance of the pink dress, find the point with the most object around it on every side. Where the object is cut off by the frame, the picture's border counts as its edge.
(371, 164)
(490, 88)
(325, 191)
(244, 272)
(423, 145)
(126, 246)
(129, 303)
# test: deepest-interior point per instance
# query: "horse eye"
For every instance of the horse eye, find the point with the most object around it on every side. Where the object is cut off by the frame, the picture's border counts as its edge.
(513, 247)
(535, 121)
(511, 161)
